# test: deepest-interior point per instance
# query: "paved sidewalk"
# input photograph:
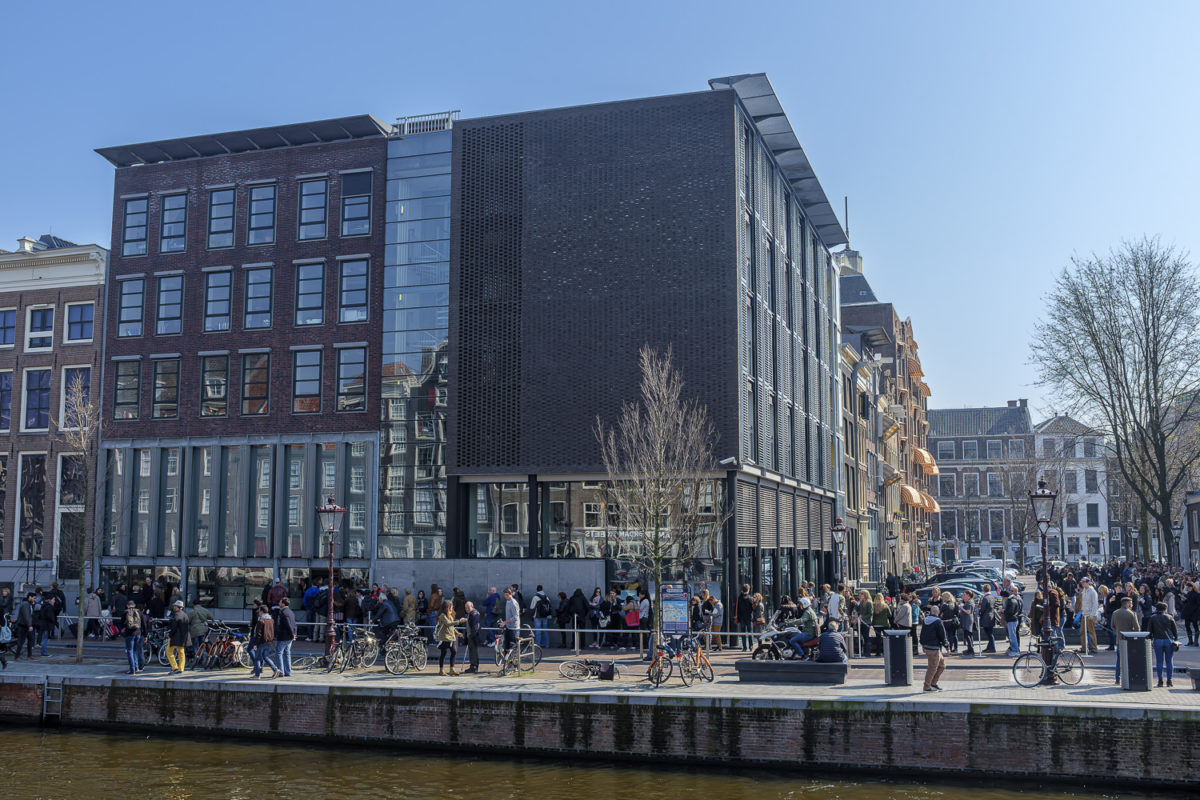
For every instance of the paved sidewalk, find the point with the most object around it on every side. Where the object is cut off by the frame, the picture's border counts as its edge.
(975, 687)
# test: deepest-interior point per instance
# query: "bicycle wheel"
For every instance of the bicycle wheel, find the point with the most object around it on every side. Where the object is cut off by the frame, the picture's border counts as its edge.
(512, 662)
(336, 659)
(687, 669)
(530, 657)
(394, 661)
(243, 656)
(705, 670)
(370, 655)
(574, 670)
(537, 656)
(660, 670)
(162, 655)
(1028, 670)
(499, 652)
(1068, 667)
(420, 656)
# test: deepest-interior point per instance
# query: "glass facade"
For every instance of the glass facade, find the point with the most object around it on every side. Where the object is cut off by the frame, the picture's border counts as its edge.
(413, 485)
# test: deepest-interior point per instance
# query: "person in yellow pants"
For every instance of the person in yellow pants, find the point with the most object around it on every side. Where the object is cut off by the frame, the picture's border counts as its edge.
(179, 634)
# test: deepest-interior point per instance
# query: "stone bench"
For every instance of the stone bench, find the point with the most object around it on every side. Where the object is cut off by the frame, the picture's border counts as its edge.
(788, 671)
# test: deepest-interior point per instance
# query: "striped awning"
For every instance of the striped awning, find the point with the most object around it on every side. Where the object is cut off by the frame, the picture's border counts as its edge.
(925, 459)
(914, 367)
(931, 505)
(910, 496)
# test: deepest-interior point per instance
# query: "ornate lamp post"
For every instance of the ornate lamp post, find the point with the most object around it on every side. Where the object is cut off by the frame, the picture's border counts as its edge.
(1042, 502)
(1134, 535)
(1177, 529)
(892, 539)
(839, 538)
(330, 516)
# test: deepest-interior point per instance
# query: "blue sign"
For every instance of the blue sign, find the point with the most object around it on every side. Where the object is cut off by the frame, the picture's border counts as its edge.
(675, 608)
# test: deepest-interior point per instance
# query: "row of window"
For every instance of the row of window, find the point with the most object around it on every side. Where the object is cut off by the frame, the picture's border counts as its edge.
(36, 384)
(39, 326)
(970, 450)
(258, 306)
(350, 380)
(312, 215)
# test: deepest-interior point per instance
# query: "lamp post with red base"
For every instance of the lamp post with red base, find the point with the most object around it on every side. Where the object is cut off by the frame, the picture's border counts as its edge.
(330, 516)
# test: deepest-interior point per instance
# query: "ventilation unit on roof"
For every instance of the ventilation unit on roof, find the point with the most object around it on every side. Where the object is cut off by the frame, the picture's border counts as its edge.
(425, 123)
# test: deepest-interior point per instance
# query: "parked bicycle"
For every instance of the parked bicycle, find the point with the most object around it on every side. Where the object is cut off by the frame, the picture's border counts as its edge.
(662, 664)
(1030, 668)
(405, 649)
(696, 661)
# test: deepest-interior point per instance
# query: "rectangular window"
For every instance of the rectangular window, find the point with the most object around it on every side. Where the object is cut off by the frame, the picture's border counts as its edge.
(995, 450)
(37, 399)
(217, 300)
(5, 400)
(126, 390)
(133, 228)
(1089, 448)
(169, 319)
(352, 291)
(1049, 449)
(971, 484)
(40, 331)
(1090, 484)
(261, 228)
(220, 218)
(313, 209)
(8, 326)
(256, 383)
(70, 402)
(1070, 482)
(258, 298)
(306, 381)
(945, 451)
(130, 304)
(1072, 515)
(214, 386)
(946, 485)
(996, 525)
(172, 236)
(995, 484)
(352, 379)
(949, 523)
(310, 294)
(972, 517)
(1016, 448)
(1093, 515)
(356, 204)
(166, 388)
(970, 450)
(80, 318)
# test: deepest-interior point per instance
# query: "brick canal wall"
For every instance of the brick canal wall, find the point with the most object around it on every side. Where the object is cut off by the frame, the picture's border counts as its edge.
(1130, 746)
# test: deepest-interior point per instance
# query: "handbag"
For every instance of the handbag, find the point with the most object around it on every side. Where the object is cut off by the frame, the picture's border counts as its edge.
(603, 621)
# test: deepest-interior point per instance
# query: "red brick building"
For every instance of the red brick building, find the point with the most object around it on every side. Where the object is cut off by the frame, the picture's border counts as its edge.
(241, 353)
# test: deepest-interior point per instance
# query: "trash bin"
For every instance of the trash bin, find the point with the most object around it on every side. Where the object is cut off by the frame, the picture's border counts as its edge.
(1134, 652)
(897, 659)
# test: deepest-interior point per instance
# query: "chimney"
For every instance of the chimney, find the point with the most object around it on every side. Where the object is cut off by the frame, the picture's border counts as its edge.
(27, 245)
(1023, 402)
(1012, 403)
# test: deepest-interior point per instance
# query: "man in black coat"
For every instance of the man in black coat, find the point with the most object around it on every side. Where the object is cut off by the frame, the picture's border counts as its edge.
(474, 636)
(285, 634)
(180, 637)
(744, 615)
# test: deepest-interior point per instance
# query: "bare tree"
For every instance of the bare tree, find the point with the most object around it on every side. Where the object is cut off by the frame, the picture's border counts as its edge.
(77, 433)
(1121, 348)
(662, 489)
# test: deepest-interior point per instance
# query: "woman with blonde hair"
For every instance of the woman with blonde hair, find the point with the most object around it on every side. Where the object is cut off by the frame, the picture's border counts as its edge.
(446, 636)
(881, 619)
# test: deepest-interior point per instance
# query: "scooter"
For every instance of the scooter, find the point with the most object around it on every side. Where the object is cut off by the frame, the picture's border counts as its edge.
(774, 643)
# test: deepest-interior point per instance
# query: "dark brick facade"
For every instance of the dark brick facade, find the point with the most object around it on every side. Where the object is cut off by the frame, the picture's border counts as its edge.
(579, 235)
(196, 177)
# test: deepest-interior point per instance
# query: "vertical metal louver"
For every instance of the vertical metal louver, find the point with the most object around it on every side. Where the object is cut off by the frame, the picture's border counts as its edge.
(747, 515)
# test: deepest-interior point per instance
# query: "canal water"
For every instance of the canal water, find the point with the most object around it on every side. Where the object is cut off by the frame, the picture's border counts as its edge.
(52, 765)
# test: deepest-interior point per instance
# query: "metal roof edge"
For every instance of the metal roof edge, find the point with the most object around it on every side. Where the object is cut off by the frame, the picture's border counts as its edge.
(758, 97)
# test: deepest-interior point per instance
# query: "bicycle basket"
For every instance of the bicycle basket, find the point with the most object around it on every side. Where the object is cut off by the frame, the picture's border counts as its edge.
(607, 672)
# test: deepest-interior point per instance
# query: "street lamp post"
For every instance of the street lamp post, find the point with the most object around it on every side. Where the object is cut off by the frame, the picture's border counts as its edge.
(839, 538)
(1042, 502)
(330, 515)
(892, 538)
(1134, 535)
(1177, 529)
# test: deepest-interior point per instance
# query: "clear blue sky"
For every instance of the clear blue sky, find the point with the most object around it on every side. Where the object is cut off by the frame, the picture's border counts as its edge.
(980, 144)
